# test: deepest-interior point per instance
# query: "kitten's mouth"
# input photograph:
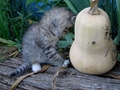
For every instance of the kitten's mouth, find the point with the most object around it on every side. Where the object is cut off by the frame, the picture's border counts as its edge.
(66, 30)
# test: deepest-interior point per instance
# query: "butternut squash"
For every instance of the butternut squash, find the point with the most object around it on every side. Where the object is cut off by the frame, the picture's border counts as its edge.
(93, 51)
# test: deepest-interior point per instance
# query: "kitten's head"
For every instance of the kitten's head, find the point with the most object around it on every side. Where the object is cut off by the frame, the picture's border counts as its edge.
(67, 20)
(68, 24)
(61, 20)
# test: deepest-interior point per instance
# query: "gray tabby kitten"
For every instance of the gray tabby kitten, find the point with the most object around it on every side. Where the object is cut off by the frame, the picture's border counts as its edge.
(40, 40)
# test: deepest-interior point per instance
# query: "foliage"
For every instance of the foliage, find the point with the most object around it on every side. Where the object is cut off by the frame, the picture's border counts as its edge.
(13, 23)
(117, 40)
(14, 19)
(37, 8)
(4, 25)
(110, 7)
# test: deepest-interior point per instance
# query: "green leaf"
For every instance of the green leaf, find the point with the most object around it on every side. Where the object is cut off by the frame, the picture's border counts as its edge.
(117, 40)
(46, 1)
(63, 44)
(67, 42)
(119, 57)
(80, 4)
(68, 38)
(68, 2)
(71, 35)
(38, 1)
(8, 42)
(29, 1)
(107, 7)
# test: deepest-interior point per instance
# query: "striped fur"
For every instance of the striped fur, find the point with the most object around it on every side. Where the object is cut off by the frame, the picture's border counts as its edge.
(23, 68)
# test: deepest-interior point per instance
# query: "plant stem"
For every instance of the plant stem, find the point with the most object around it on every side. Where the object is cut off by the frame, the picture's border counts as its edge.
(94, 7)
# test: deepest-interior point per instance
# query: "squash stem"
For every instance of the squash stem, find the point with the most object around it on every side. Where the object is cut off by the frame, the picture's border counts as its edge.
(94, 7)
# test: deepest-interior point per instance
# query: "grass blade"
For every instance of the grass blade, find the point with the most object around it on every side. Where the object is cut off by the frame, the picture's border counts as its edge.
(71, 6)
(8, 42)
(80, 4)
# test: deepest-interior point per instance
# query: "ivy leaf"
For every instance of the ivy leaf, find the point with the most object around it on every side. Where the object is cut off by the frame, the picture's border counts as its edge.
(71, 35)
(67, 42)
(68, 38)
(63, 44)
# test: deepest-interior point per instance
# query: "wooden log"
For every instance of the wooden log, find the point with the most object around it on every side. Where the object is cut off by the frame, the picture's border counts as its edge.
(68, 79)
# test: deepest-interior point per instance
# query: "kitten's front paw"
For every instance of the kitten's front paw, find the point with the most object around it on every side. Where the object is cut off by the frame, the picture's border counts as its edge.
(66, 63)
(36, 67)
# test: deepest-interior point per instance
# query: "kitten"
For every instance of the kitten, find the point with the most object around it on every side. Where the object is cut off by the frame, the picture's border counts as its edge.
(40, 40)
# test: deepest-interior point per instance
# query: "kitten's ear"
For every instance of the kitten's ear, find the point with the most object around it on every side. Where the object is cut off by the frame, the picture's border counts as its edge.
(73, 18)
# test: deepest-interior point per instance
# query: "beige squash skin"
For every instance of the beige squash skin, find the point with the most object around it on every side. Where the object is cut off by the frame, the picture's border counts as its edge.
(93, 51)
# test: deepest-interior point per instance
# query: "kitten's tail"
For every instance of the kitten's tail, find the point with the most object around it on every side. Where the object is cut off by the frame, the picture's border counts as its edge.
(23, 68)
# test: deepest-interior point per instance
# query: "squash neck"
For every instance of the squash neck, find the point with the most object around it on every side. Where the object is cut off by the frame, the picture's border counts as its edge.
(94, 7)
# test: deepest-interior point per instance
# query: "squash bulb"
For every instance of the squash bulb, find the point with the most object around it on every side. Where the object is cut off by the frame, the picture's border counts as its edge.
(93, 51)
